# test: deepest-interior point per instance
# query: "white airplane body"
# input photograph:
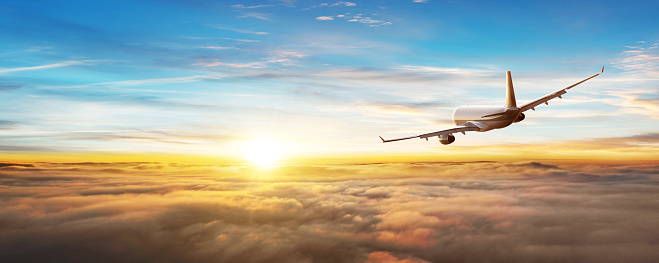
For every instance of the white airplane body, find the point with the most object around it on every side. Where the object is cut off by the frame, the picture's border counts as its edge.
(485, 118)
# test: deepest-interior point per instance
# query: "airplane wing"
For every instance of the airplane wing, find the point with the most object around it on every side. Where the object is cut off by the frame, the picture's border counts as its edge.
(469, 126)
(531, 105)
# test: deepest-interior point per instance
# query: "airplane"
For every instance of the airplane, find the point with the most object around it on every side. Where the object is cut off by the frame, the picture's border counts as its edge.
(485, 118)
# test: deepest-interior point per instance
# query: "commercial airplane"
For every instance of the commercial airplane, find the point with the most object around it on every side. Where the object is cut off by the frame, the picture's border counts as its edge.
(485, 118)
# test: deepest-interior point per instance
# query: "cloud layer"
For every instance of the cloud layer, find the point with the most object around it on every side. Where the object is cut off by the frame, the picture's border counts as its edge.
(404, 212)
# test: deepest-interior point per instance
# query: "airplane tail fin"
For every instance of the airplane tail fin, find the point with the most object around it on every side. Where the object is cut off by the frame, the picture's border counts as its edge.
(510, 93)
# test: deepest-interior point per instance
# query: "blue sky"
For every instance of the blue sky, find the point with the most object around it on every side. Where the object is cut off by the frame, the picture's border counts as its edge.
(321, 77)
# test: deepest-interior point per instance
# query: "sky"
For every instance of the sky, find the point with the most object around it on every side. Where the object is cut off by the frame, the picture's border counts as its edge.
(323, 79)
(247, 131)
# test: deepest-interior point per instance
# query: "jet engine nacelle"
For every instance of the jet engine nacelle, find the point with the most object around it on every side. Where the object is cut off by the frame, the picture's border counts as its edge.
(520, 117)
(446, 139)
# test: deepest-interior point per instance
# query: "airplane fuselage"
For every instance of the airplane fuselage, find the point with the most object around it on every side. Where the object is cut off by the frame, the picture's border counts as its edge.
(486, 117)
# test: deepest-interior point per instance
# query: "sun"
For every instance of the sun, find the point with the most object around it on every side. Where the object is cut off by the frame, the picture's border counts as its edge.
(263, 152)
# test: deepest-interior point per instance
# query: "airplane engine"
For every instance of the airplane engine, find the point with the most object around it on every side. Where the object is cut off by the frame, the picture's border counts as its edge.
(446, 139)
(520, 117)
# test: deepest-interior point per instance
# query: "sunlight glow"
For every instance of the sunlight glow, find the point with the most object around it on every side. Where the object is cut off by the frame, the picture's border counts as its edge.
(263, 152)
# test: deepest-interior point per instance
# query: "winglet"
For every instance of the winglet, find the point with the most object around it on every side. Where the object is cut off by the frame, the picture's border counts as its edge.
(602, 69)
(399, 139)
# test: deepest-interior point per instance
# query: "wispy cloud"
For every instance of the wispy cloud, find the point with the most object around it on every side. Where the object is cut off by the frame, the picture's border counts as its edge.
(218, 48)
(640, 65)
(244, 40)
(146, 136)
(341, 3)
(35, 49)
(336, 4)
(640, 61)
(360, 18)
(154, 81)
(372, 22)
(420, 1)
(394, 109)
(407, 74)
(445, 70)
(234, 65)
(344, 4)
(639, 146)
(256, 15)
(252, 14)
(49, 66)
(637, 101)
(286, 58)
(241, 30)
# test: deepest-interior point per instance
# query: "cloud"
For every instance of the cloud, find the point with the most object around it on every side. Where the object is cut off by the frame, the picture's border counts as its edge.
(233, 65)
(392, 108)
(395, 212)
(241, 30)
(4, 124)
(360, 18)
(286, 58)
(144, 82)
(443, 70)
(218, 48)
(637, 101)
(640, 66)
(11, 147)
(156, 136)
(640, 61)
(365, 20)
(16, 164)
(339, 4)
(369, 21)
(156, 81)
(643, 146)
(385, 257)
(48, 66)
(420, 1)
(257, 16)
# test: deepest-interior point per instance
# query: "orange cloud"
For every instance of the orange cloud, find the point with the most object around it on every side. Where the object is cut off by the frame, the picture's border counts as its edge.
(387, 212)
(385, 257)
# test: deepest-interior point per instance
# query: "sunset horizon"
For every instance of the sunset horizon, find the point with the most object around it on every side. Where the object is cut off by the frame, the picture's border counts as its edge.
(374, 131)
